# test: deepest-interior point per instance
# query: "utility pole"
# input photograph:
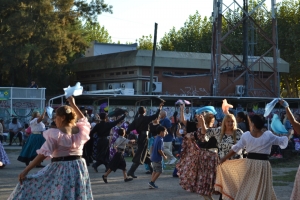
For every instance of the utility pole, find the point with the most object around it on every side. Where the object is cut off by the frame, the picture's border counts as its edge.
(153, 60)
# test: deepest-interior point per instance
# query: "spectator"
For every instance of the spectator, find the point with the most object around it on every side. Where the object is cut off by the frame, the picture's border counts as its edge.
(15, 129)
(33, 85)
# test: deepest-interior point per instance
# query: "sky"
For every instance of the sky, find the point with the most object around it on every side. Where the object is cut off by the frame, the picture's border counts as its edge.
(131, 19)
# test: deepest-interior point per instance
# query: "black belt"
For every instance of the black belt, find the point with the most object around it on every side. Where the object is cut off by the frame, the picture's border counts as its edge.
(66, 158)
(258, 156)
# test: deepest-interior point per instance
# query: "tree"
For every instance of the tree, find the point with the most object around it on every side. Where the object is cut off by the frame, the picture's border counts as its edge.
(40, 38)
(195, 36)
(94, 31)
(145, 43)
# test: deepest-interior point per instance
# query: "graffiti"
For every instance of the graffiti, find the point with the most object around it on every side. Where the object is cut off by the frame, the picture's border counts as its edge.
(24, 105)
(4, 104)
(194, 91)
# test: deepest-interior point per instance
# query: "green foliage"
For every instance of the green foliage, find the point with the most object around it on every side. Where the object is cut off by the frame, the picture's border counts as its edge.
(145, 43)
(94, 31)
(39, 39)
(195, 36)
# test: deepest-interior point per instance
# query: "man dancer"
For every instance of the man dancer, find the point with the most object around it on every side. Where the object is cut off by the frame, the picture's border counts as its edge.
(102, 129)
(140, 124)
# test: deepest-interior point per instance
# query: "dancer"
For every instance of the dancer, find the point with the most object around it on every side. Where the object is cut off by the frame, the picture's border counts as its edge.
(66, 177)
(250, 178)
(3, 157)
(158, 155)
(197, 166)
(101, 144)
(114, 137)
(35, 140)
(140, 124)
(118, 161)
(296, 126)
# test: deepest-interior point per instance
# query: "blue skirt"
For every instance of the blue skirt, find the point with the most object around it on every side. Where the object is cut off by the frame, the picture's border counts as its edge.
(58, 180)
(28, 153)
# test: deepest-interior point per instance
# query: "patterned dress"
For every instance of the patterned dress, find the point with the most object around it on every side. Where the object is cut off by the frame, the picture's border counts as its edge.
(115, 136)
(225, 144)
(62, 179)
(197, 167)
(3, 156)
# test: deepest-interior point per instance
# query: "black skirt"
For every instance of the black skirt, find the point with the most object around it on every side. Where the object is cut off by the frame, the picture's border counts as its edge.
(117, 162)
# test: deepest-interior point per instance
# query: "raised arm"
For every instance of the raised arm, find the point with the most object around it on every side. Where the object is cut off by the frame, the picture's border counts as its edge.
(182, 119)
(290, 116)
(41, 117)
(74, 106)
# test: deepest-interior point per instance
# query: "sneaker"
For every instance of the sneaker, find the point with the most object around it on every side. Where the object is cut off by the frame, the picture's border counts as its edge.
(274, 155)
(166, 163)
(152, 185)
(173, 161)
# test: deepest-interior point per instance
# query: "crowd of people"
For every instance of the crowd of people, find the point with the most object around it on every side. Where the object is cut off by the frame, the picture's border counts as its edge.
(230, 158)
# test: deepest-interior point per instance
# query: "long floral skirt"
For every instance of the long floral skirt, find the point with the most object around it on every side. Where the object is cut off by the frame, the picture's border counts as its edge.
(197, 168)
(296, 190)
(58, 180)
(3, 156)
(246, 179)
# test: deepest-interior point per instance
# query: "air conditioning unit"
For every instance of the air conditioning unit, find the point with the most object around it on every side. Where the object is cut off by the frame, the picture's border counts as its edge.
(239, 89)
(156, 86)
(111, 86)
(126, 85)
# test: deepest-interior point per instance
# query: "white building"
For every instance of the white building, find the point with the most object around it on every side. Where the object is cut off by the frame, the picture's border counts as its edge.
(97, 48)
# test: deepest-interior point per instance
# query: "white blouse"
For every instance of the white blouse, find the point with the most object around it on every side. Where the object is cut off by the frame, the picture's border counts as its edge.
(35, 126)
(261, 145)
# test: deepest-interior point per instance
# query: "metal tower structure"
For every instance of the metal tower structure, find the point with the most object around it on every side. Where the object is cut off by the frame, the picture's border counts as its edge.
(257, 75)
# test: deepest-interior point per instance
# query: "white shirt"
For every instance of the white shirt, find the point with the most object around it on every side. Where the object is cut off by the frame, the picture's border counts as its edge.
(14, 127)
(35, 126)
(261, 145)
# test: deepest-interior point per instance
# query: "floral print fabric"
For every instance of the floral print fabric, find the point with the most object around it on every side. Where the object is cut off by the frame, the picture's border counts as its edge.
(197, 168)
(58, 180)
(3, 156)
(225, 144)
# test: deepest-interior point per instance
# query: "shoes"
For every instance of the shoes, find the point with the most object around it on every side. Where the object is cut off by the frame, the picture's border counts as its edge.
(148, 172)
(166, 163)
(172, 161)
(152, 185)
(132, 175)
(128, 179)
(274, 155)
(95, 168)
(104, 178)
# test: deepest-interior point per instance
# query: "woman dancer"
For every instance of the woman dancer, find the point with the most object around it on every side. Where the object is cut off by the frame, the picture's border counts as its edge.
(67, 176)
(197, 167)
(114, 137)
(3, 157)
(35, 140)
(250, 178)
(296, 126)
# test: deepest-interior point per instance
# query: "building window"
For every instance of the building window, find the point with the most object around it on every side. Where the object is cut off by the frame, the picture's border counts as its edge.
(179, 73)
(124, 72)
(118, 73)
(155, 72)
(98, 75)
(112, 74)
(93, 75)
(131, 72)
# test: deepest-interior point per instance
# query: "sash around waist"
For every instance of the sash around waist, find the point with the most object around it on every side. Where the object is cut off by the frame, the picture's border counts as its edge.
(258, 156)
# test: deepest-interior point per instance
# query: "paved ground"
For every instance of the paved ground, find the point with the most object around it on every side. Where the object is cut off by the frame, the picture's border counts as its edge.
(116, 188)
